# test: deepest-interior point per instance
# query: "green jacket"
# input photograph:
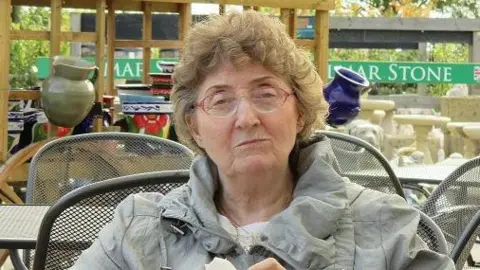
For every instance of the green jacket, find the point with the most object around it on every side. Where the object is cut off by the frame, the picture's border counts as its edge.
(330, 224)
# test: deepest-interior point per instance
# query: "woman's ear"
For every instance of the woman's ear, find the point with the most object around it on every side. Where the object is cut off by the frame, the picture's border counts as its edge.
(300, 122)
(193, 129)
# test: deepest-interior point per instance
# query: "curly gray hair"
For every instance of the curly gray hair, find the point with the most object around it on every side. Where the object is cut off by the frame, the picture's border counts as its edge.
(240, 38)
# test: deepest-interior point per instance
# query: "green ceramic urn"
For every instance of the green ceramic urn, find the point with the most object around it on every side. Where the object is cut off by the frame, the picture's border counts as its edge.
(68, 94)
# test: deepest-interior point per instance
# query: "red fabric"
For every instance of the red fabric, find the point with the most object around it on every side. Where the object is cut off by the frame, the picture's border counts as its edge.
(153, 123)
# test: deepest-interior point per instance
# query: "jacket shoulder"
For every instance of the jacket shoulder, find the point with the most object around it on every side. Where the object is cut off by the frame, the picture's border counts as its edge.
(371, 205)
(148, 203)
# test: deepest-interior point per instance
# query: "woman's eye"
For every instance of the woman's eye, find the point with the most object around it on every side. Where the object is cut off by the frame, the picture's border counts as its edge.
(265, 92)
(220, 99)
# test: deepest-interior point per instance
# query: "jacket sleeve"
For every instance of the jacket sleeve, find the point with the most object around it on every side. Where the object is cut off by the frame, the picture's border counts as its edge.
(386, 235)
(106, 251)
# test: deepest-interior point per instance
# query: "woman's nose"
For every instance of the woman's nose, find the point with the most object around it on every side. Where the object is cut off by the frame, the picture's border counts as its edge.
(246, 116)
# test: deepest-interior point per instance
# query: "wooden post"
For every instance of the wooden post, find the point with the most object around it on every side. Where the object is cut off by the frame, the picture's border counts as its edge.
(111, 49)
(289, 18)
(55, 31)
(422, 54)
(222, 9)
(474, 57)
(321, 42)
(5, 8)
(100, 58)
(147, 35)
(185, 20)
(55, 42)
(251, 8)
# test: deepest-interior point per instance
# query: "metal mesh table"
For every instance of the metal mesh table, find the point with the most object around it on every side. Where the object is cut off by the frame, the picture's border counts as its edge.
(19, 225)
(421, 174)
(426, 174)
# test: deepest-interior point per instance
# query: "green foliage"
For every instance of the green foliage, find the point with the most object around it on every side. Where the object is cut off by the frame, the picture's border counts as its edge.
(442, 53)
(460, 8)
(25, 52)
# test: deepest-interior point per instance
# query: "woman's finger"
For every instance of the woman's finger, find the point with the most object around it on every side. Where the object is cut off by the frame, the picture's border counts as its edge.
(267, 264)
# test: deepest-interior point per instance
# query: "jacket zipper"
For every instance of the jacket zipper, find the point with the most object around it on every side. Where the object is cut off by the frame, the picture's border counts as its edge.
(288, 261)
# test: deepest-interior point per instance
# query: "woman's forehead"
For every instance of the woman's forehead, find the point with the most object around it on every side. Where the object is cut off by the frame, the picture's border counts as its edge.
(230, 76)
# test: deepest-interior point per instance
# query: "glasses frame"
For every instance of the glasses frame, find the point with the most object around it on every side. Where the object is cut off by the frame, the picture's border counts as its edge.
(285, 94)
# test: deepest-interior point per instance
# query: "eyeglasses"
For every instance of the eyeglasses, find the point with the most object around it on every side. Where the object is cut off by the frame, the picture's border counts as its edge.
(265, 99)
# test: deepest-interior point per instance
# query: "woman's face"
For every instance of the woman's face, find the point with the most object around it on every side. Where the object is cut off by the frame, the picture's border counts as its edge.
(245, 140)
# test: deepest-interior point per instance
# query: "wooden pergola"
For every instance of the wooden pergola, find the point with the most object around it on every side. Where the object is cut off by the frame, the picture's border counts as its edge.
(105, 47)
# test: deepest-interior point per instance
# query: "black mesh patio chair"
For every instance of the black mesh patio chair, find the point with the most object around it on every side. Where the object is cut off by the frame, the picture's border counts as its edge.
(71, 162)
(72, 224)
(365, 165)
(461, 251)
(454, 203)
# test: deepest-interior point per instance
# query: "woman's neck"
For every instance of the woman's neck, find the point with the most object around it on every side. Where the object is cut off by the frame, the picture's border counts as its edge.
(246, 199)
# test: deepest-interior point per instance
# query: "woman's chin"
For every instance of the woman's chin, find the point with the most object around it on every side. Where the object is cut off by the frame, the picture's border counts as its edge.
(253, 163)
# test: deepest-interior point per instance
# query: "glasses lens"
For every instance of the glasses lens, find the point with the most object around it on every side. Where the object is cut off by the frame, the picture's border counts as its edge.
(220, 103)
(266, 99)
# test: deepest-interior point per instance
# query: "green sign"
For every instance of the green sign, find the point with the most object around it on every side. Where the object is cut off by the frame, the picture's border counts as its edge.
(125, 68)
(393, 72)
(413, 72)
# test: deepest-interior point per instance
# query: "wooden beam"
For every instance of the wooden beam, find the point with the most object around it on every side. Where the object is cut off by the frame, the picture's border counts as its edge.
(308, 44)
(303, 4)
(100, 59)
(289, 18)
(45, 35)
(30, 35)
(147, 35)
(24, 94)
(165, 44)
(406, 24)
(5, 9)
(78, 36)
(321, 43)
(91, 4)
(111, 48)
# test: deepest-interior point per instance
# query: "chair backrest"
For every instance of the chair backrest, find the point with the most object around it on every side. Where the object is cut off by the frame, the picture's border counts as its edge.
(431, 234)
(455, 201)
(72, 224)
(363, 164)
(461, 250)
(74, 161)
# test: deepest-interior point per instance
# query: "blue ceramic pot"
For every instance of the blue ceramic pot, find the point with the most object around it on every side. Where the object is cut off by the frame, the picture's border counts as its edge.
(343, 95)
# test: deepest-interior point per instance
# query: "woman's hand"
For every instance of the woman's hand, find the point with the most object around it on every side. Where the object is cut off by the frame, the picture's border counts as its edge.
(267, 264)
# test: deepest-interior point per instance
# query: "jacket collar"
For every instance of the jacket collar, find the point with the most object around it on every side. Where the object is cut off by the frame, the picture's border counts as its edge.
(301, 233)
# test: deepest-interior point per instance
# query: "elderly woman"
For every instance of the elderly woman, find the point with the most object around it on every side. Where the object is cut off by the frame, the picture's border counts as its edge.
(262, 192)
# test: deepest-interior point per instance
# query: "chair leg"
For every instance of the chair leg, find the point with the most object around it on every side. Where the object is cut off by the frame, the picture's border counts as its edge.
(470, 261)
(9, 194)
(3, 256)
